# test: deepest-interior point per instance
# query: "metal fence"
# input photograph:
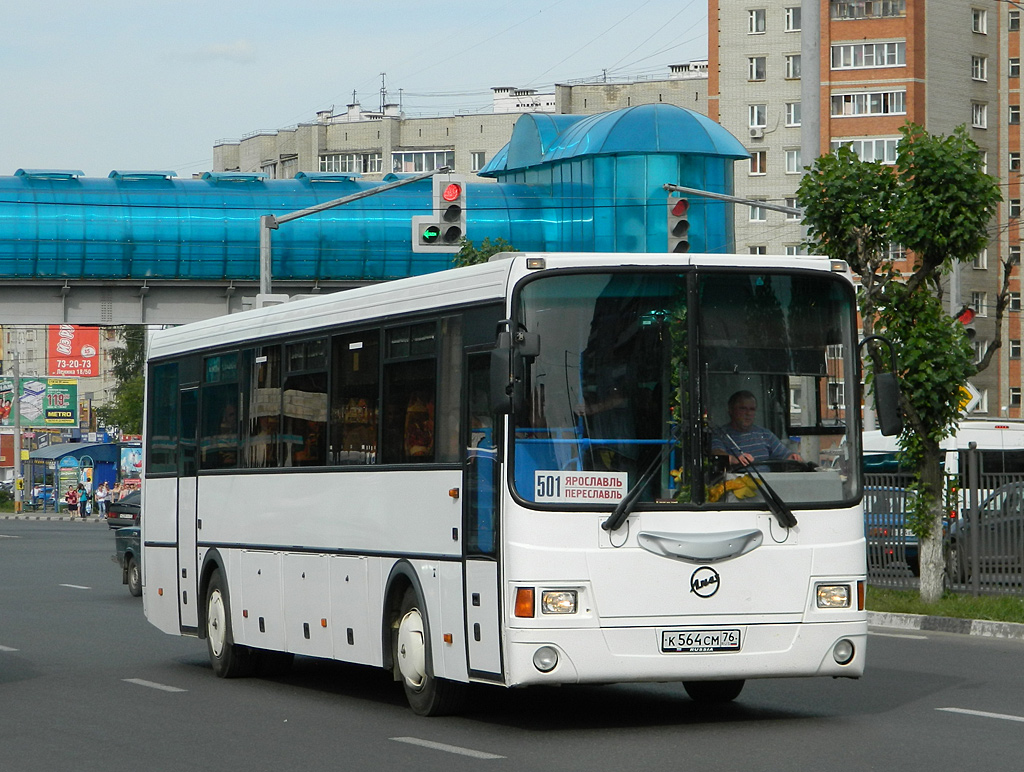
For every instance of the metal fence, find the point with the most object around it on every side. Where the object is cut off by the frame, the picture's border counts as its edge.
(983, 534)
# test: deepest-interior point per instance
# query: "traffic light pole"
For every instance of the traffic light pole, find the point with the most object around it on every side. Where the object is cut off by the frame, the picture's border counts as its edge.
(270, 222)
(733, 199)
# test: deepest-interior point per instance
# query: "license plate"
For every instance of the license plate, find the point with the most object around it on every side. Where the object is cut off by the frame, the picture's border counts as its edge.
(694, 641)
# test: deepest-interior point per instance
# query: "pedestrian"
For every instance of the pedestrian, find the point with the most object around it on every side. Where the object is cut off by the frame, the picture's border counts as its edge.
(102, 497)
(83, 501)
(71, 497)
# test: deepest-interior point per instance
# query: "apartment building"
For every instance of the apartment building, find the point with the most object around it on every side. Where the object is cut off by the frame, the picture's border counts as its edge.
(374, 143)
(795, 79)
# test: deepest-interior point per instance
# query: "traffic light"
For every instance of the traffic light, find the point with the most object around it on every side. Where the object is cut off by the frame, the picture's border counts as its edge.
(678, 224)
(443, 230)
(966, 318)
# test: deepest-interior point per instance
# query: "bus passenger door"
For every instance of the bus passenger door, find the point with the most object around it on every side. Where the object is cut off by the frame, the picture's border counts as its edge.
(482, 484)
(188, 602)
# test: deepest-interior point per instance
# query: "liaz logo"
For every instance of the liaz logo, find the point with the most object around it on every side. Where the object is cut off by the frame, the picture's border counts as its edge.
(704, 582)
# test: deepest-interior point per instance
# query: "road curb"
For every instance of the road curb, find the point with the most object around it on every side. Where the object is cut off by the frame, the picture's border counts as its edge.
(982, 627)
(53, 518)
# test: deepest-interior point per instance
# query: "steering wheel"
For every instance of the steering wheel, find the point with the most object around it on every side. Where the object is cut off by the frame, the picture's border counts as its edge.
(777, 465)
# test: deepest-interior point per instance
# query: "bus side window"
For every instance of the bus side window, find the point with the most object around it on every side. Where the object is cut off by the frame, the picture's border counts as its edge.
(355, 384)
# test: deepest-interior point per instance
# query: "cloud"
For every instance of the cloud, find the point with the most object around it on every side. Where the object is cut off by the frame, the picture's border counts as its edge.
(238, 51)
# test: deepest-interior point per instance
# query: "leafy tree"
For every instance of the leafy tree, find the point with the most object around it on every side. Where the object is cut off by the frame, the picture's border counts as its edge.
(129, 360)
(470, 255)
(937, 203)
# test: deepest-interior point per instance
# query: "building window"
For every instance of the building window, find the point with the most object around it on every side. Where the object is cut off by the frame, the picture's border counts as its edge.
(1013, 70)
(792, 204)
(979, 21)
(792, 250)
(1014, 113)
(979, 115)
(979, 302)
(757, 67)
(793, 19)
(792, 66)
(868, 9)
(1013, 21)
(1014, 396)
(881, 149)
(979, 68)
(477, 160)
(869, 103)
(855, 56)
(352, 163)
(980, 262)
(756, 20)
(793, 164)
(758, 116)
(1014, 208)
(792, 113)
(896, 252)
(1015, 348)
(422, 161)
(758, 213)
(1013, 302)
(759, 162)
(758, 250)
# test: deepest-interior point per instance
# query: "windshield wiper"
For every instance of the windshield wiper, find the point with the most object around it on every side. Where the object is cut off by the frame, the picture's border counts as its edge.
(626, 506)
(777, 506)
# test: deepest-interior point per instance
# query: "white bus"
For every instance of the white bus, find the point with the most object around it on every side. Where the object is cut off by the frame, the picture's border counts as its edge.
(502, 474)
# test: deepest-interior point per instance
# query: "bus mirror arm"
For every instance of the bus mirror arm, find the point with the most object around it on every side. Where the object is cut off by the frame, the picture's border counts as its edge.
(514, 349)
(501, 383)
(887, 392)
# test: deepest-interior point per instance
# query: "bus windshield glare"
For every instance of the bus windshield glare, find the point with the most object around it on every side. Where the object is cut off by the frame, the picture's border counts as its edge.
(683, 379)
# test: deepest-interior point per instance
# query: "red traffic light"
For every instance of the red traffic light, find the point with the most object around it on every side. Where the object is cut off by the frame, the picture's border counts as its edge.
(452, 192)
(680, 207)
(966, 316)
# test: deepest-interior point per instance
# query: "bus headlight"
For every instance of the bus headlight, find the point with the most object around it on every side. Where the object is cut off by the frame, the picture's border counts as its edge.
(833, 596)
(558, 602)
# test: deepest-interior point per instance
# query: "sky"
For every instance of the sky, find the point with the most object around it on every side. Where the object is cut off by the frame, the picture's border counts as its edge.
(97, 85)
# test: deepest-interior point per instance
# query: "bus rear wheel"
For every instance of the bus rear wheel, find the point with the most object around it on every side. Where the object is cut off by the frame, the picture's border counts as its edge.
(713, 692)
(134, 577)
(229, 660)
(427, 695)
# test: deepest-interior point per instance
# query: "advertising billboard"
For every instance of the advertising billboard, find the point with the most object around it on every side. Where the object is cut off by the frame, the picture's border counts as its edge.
(73, 350)
(44, 402)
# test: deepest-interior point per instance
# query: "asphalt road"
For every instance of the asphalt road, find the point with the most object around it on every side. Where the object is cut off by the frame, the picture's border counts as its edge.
(87, 684)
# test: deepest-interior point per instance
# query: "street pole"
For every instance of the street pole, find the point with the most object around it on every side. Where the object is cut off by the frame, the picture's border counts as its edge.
(19, 483)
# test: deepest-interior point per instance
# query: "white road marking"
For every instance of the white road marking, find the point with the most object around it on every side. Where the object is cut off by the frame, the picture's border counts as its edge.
(8, 536)
(899, 635)
(447, 748)
(153, 685)
(76, 586)
(7, 648)
(984, 714)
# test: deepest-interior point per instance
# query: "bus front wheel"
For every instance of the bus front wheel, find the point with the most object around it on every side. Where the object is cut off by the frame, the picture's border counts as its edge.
(229, 660)
(713, 692)
(427, 694)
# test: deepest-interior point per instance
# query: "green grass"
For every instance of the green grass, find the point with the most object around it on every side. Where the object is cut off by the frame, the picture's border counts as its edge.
(996, 608)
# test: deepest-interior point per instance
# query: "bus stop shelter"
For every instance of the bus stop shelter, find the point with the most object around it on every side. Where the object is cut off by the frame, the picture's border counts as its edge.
(67, 460)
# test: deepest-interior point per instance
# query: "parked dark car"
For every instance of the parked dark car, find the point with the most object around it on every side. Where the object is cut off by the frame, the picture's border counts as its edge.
(999, 533)
(891, 545)
(125, 511)
(128, 546)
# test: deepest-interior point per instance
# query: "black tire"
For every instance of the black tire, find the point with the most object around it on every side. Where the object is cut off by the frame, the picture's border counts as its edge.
(713, 692)
(426, 694)
(954, 565)
(134, 574)
(229, 660)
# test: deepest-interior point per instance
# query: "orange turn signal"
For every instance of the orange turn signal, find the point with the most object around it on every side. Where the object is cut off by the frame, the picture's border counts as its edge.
(524, 602)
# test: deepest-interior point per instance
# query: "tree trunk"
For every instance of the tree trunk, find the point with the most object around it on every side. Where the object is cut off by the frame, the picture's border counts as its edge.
(932, 564)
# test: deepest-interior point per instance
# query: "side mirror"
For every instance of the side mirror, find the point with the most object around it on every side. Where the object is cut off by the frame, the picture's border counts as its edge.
(512, 352)
(887, 404)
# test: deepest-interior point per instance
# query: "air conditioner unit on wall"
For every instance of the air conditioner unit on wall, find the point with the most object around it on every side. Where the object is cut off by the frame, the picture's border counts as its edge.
(757, 132)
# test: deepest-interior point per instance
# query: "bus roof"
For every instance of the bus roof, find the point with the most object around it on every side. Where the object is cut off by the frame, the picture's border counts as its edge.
(451, 288)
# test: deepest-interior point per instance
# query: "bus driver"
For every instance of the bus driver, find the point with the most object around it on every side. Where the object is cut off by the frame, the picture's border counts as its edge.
(743, 441)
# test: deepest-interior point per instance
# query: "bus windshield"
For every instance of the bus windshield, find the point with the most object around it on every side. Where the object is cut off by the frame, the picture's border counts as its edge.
(680, 381)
